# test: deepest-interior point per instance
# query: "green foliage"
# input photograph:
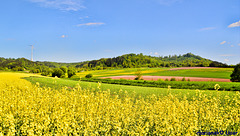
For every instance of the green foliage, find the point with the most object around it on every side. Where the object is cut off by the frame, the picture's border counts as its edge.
(173, 79)
(235, 76)
(71, 72)
(64, 69)
(160, 80)
(166, 79)
(134, 91)
(47, 72)
(140, 60)
(18, 69)
(138, 74)
(184, 79)
(227, 86)
(34, 71)
(89, 76)
(57, 72)
(124, 61)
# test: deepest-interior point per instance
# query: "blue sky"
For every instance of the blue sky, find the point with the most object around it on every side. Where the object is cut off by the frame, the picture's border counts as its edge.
(79, 30)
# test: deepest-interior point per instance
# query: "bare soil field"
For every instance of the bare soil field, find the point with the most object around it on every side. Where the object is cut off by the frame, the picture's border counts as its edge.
(169, 77)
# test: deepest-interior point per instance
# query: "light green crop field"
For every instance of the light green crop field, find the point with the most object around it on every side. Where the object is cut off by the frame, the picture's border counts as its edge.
(133, 91)
(209, 73)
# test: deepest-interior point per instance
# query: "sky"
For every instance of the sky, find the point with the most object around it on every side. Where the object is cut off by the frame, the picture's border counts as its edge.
(80, 30)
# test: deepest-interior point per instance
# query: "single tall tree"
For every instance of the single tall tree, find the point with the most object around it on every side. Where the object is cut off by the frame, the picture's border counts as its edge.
(235, 76)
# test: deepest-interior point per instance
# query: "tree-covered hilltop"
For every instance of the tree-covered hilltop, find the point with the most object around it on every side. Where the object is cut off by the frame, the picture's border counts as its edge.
(124, 61)
(140, 60)
(21, 64)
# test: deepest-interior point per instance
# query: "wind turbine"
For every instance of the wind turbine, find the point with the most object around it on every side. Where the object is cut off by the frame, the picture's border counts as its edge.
(32, 52)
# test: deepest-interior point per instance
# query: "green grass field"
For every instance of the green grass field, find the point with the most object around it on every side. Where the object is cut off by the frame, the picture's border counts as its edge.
(209, 73)
(133, 91)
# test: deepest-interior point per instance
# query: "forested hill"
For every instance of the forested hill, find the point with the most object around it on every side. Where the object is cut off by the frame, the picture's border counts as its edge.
(21, 64)
(140, 60)
(124, 61)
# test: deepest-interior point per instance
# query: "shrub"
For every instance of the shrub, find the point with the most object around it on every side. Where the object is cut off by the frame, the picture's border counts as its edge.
(89, 76)
(18, 69)
(71, 72)
(180, 85)
(64, 69)
(138, 74)
(160, 79)
(166, 79)
(47, 72)
(173, 79)
(235, 76)
(184, 79)
(57, 72)
(35, 71)
(137, 78)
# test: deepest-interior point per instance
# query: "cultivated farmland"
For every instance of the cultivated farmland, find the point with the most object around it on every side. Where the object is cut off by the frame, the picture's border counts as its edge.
(28, 109)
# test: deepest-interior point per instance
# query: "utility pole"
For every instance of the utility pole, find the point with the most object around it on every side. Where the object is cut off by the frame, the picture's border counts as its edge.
(32, 52)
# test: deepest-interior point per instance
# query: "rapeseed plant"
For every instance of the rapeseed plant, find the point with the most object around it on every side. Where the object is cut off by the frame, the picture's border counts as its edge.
(28, 109)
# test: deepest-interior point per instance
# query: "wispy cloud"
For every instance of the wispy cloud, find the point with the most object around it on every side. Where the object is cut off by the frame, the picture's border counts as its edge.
(226, 60)
(63, 36)
(232, 45)
(168, 2)
(223, 42)
(91, 24)
(10, 39)
(65, 5)
(239, 44)
(108, 50)
(156, 53)
(82, 18)
(237, 24)
(227, 55)
(207, 28)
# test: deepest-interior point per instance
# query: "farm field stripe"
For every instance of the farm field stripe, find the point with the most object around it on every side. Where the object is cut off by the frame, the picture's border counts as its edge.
(155, 78)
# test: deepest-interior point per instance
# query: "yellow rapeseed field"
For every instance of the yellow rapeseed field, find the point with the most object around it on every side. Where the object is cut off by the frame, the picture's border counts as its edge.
(27, 109)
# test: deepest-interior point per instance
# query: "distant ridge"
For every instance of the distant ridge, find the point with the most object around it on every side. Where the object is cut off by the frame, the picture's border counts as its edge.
(125, 61)
(140, 60)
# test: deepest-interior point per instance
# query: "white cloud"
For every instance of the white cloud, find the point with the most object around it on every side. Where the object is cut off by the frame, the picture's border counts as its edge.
(156, 53)
(91, 24)
(84, 17)
(227, 55)
(223, 42)
(232, 45)
(236, 24)
(207, 28)
(226, 60)
(65, 5)
(239, 44)
(150, 53)
(63, 36)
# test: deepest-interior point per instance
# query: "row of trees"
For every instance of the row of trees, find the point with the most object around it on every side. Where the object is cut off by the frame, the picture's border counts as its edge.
(140, 60)
(62, 72)
(124, 61)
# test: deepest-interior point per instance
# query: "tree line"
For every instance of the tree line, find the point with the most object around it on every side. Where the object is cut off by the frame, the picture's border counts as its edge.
(124, 61)
(140, 60)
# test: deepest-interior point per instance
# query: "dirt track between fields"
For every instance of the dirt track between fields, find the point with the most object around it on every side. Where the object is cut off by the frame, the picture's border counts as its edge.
(169, 77)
